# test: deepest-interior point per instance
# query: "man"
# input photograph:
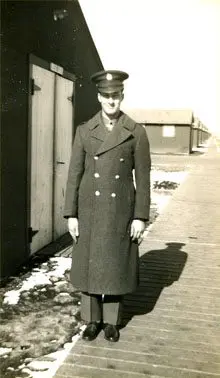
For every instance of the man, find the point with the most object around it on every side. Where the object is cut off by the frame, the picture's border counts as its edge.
(106, 212)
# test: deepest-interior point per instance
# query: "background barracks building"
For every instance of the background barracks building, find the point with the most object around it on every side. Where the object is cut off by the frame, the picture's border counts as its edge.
(47, 57)
(174, 131)
(200, 133)
(169, 131)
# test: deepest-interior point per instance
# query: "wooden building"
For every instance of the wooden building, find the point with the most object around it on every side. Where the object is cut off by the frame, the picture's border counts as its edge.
(47, 58)
(205, 134)
(195, 132)
(169, 131)
(200, 133)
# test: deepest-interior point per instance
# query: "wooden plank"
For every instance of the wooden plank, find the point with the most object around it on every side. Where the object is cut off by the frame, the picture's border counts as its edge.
(42, 158)
(63, 145)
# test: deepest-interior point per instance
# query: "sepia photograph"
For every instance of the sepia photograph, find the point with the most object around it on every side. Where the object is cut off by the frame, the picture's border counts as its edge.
(110, 182)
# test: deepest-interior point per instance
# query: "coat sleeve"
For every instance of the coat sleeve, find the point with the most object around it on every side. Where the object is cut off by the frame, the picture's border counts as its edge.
(142, 165)
(76, 169)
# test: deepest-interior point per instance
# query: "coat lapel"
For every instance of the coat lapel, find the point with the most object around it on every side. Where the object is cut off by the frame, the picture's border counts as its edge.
(96, 128)
(121, 132)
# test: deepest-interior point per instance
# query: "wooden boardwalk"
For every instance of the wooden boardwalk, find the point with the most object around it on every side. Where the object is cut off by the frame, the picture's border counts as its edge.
(172, 323)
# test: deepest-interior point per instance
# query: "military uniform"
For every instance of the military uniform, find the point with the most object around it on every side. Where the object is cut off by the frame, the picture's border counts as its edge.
(101, 194)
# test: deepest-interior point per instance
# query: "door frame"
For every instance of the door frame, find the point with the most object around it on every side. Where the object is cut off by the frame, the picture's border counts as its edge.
(34, 60)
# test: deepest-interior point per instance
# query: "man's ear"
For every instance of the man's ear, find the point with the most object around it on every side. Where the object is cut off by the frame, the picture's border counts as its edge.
(99, 97)
(122, 96)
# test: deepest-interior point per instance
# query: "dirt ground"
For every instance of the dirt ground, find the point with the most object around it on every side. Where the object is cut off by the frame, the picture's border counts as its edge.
(44, 319)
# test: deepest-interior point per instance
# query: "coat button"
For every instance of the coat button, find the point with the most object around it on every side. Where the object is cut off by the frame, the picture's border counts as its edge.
(117, 177)
(113, 195)
(96, 175)
(121, 159)
(96, 157)
(97, 193)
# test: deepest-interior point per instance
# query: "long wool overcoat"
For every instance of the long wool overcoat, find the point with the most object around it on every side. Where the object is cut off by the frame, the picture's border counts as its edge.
(101, 194)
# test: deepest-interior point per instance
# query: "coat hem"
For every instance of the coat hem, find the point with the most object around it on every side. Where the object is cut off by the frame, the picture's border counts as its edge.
(99, 292)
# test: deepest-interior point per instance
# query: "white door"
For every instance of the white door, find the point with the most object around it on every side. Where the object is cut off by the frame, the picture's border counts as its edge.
(63, 146)
(51, 142)
(42, 157)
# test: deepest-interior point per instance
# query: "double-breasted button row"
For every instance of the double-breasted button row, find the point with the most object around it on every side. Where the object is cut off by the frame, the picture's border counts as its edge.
(97, 194)
(97, 158)
(97, 175)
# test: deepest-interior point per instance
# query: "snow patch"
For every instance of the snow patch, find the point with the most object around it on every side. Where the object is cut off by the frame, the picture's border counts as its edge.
(160, 201)
(5, 351)
(158, 175)
(59, 357)
(39, 278)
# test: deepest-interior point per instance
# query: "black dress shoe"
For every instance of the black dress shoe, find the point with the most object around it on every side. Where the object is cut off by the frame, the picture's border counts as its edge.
(92, 330)
(111, 333)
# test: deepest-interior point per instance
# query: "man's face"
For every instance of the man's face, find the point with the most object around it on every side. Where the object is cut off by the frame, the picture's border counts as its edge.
(110, 102)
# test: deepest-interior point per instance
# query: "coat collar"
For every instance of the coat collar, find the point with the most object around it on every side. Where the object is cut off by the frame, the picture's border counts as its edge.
(127, 122)
(122, 131)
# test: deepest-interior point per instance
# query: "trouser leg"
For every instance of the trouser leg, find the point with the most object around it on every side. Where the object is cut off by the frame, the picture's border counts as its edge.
(91, 307)
(112, 309)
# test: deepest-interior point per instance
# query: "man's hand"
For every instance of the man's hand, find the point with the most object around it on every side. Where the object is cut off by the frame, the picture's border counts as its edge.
(73, 226)
(137, 230)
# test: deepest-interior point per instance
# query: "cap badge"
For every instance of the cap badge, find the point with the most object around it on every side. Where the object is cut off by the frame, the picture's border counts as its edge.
(109, 76)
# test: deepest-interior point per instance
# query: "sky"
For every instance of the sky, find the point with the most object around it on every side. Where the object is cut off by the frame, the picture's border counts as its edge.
(170, 48)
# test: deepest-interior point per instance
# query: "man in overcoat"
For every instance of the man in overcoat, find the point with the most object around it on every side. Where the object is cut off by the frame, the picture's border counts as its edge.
(107, 207)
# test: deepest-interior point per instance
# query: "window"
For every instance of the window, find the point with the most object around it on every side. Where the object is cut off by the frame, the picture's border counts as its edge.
(169, 131)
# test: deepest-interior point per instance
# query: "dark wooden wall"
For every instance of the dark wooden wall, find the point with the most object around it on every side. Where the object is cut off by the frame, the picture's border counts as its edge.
(29, 27)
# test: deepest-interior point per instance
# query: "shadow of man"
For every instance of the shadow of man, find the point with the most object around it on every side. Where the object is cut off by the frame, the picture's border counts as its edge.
(157, 269)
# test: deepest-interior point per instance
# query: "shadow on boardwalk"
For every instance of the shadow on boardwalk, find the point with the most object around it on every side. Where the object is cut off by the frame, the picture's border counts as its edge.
(158, 269)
